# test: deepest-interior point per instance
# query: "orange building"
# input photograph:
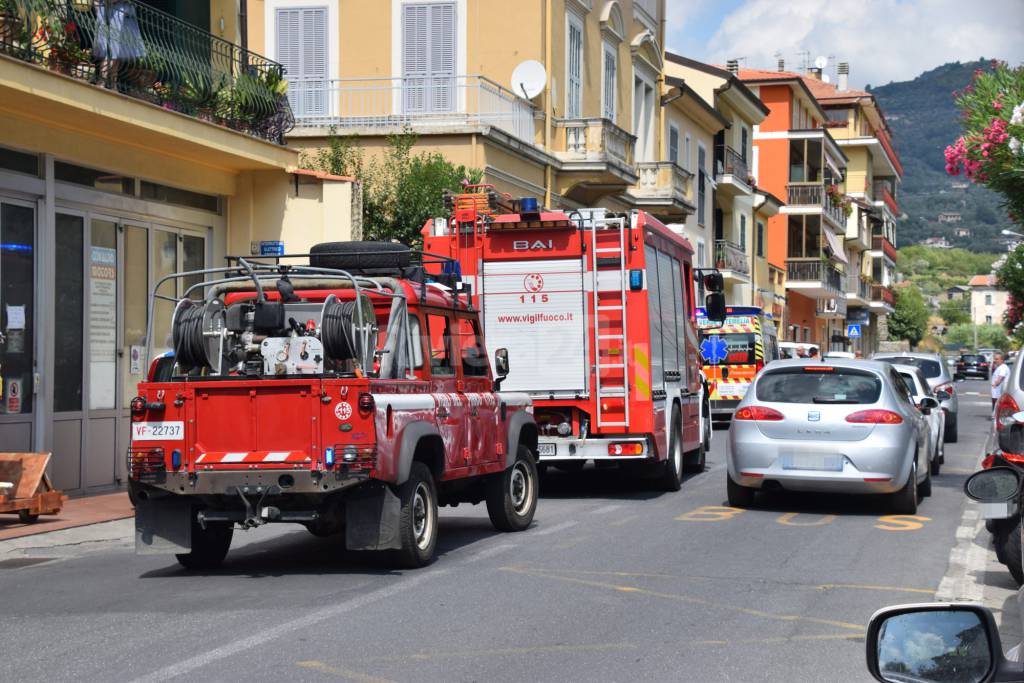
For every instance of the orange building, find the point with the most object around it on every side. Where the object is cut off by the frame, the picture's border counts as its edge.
(796, 159)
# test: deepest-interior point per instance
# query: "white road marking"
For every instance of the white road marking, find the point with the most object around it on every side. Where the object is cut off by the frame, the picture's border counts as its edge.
(604, 509)
(490, 552)
(967, 558)
(556, 528)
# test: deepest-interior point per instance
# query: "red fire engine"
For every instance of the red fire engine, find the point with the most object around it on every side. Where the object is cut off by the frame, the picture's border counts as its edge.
(597, 312)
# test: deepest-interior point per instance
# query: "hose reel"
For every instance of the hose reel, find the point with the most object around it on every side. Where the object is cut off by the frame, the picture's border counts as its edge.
(197, 334)
(341, 333)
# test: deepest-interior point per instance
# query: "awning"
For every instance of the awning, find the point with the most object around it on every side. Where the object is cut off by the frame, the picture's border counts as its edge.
(836, 245)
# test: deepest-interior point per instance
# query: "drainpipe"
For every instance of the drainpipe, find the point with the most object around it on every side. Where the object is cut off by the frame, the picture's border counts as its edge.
(548, 104)
(243, 24)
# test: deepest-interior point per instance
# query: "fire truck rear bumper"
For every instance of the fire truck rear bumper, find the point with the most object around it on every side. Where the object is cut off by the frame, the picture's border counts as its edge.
(561, 448)
(227, 482)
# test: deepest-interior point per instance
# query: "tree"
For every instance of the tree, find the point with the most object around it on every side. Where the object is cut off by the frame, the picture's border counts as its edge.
(991, 336)
(401, 190)
(910, 320)
(955, 311)
(1011, 274)
(990, 151)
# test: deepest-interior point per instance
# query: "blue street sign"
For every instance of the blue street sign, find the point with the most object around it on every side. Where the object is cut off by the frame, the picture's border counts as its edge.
(271, 248)
(853, 331)
(713, 349)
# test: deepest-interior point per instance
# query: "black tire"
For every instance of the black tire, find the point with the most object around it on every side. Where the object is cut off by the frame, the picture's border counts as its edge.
(359, 256)
(26, 517)
(512, 495)
(936, 464)
(671, 478)
(904, 501)
(707, 423)
(739, 496)
(1010, 543)
(417, 523)
(950, 435)
(209, 546)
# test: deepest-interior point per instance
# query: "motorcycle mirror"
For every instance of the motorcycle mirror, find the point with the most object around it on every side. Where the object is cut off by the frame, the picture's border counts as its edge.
(714, 282)
(993, 485)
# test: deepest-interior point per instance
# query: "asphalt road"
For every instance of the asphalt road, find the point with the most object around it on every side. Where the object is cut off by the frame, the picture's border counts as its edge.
(614, 582)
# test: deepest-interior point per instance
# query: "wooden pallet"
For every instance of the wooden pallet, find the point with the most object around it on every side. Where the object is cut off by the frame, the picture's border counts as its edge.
(31, 493)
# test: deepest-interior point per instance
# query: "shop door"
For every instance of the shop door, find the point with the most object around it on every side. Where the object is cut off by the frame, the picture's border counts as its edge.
(18, 369)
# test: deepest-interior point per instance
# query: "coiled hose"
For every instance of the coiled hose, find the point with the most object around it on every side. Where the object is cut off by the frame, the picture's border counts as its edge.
(336, 330)
(187, 337)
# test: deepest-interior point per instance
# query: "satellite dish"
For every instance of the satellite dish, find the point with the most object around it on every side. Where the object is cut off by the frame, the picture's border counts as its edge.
(821, 61)
(529, 79)
(826, 78)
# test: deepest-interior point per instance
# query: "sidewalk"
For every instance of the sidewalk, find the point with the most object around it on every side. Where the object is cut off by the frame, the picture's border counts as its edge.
(76, 512)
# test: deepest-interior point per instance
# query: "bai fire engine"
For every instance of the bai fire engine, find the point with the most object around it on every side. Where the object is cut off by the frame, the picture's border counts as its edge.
(597, 313)
(352, 395)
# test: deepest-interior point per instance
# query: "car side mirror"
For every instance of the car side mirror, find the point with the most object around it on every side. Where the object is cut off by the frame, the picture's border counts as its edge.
(501, 363)
(714, 307)
(927, 404)
(945, 641)
(943, 395)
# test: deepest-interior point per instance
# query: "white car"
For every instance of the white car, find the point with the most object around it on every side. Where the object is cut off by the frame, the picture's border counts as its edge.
(919, 388)
(840, 354)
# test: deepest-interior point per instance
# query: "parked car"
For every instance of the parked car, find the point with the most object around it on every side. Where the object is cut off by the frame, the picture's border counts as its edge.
(972, 365)
(939, 379)
(792, 349)
(919, 388)
(842, 426)
(840, 354)
(948, 641)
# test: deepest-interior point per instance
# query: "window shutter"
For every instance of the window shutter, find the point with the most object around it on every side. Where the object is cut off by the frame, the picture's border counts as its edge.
(574, 66)
(414, 57)
(673, 144)
(610, 78)
(442, 57)
(428, 57)
(302, 51)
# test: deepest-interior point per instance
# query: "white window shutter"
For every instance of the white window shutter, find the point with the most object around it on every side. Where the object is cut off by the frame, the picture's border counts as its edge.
(610, 79)
(442, 57)
(414, 57)
(428, 57)
(302, 51)
(574, 69)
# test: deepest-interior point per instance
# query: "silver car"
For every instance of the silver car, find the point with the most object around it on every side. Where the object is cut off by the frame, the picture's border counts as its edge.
(939, 379)
(919, 389)
(843, 426)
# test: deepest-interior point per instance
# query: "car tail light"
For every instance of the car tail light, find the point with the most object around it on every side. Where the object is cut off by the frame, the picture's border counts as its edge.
(1013, 457)
(366, 403)
(947, 387)
(875, 416)
(758, 413)
(819, 368)
(1006, 408)
(631, 448)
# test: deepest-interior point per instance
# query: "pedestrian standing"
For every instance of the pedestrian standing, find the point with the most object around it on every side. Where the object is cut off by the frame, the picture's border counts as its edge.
(999, 374)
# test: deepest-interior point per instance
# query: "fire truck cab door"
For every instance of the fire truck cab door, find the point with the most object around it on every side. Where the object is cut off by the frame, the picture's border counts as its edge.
(477, 393)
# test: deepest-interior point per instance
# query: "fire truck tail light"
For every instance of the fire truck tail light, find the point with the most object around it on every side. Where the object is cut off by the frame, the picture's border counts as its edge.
(366, 403)
(630, 448)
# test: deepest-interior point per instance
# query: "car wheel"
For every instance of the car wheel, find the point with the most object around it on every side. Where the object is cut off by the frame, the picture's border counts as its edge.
(706, 428)
(739, 496)
(672, 475)
(417, 521)
(1010, 544)
(209, 546)
(904, 501)
(512, 494)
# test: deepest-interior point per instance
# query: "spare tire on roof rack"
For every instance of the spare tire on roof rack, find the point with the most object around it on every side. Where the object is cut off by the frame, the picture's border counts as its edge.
(360, 256)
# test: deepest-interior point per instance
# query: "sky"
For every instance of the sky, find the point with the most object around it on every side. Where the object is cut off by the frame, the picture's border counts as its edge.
(883, 40)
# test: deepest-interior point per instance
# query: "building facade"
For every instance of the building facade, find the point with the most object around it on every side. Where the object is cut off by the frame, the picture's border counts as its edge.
(114, 174)
(988, 301)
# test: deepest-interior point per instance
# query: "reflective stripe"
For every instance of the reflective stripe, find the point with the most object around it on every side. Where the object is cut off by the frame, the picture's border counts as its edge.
(200, 458)
(233, 457)
(276, 456)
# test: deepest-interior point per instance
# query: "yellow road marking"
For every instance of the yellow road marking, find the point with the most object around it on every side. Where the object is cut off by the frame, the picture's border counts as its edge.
(710, 513)
(902, 522)
(788, 518)
(780, 639)
(865, 587)
(683, 598)
(342, 673)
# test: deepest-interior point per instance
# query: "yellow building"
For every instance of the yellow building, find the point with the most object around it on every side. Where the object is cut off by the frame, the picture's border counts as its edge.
(739, 237)
(126, 156)
(587, 131)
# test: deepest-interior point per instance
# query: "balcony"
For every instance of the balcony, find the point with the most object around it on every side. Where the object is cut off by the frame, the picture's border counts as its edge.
(882, 244)
(732, 261)
(813, 277)
(882, 298)
(382, 106)
(882, 193)
(596, 159)
(858, 290)
(663, 189)
(804, 196)
(731, 171)
(164, 61)
(833, 307)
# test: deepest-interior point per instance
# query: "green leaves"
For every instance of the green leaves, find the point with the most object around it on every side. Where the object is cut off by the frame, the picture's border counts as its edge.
(910, 321)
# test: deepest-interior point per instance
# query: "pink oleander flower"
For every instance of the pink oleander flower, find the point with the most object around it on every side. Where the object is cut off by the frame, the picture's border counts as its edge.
(996, 104)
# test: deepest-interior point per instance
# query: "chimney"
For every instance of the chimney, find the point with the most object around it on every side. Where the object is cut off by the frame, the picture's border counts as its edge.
(732, 66)
(814, 72)
(844, 76)
(782, 64)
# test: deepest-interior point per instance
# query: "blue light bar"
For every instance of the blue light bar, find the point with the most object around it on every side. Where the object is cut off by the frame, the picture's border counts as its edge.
(329, 457)
(11, 246)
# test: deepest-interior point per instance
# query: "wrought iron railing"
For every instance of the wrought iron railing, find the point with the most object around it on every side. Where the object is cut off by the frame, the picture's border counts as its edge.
(814, 271)
(142, 52)
(855, 284)
(729, 161)
(815, 194)
(386, 104)
(729, 256)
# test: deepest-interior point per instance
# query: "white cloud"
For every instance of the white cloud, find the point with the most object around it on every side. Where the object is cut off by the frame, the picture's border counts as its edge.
(883, 40)
(678, 16)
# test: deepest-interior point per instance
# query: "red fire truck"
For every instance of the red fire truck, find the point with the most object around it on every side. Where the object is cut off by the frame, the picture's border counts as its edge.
(597, 313)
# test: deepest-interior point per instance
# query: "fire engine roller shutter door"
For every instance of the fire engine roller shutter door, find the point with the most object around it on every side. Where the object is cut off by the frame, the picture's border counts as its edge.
(535, 309)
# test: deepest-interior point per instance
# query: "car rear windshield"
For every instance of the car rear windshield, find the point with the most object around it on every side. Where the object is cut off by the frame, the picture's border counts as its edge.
(930, 368)
(739, 348)
(817, 384)
(972, 358)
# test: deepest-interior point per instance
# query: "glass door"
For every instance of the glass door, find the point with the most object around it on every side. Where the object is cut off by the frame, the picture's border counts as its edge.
(17, 323)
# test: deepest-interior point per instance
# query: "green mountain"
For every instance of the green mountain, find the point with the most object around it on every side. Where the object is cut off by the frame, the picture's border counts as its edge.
(924, 120)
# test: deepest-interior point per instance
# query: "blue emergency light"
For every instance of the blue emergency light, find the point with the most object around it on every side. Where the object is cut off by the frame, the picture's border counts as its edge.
(636, 280)
(528, 205)
(329, 457)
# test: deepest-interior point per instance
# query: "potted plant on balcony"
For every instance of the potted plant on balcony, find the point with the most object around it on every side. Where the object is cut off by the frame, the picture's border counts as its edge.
(12, 24)
(63, 49)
